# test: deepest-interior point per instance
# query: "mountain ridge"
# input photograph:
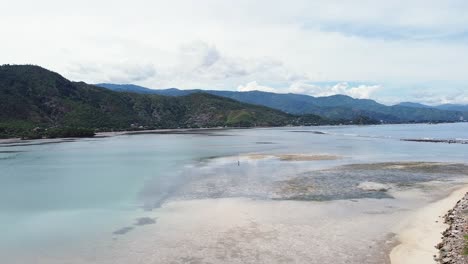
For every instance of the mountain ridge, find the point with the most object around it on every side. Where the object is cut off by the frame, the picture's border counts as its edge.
(333, 107)
(34, 99)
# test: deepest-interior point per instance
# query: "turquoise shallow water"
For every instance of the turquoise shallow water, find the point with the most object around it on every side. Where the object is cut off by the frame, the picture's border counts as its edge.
(59, 195)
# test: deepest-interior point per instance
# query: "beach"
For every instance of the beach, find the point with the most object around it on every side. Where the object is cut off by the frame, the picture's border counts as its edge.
(422, 231)
(276, 195)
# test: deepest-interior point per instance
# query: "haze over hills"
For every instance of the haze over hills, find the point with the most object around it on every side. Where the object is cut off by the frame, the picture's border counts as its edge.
(448, 107)
(453, 107)
(33, 97)
(336, 106)
(415, 105)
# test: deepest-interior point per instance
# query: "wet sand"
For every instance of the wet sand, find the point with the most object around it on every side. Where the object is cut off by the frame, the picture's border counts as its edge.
(125, 132)
(233, 214)
(243, 230)
(291, 157)
(261, 210)
(240, 230)
(9, 140)
(422, 231)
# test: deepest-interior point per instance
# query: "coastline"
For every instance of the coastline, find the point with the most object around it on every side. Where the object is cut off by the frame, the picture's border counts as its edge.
(260, 231)
(181, 130)
(125, 132)
(454, 245)
(421, 232)
(9, 140)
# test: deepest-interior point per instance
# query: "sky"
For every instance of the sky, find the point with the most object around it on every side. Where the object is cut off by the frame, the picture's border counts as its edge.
(389, 51)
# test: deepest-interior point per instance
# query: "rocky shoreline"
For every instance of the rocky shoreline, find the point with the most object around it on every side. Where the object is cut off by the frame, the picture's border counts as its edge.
(454, 246)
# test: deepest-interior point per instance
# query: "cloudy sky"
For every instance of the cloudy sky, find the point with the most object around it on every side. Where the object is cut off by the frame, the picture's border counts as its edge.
(385, 50)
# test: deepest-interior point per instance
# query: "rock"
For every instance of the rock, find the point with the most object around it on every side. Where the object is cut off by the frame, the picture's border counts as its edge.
(446, 260)
(144, 221)
(453, 242)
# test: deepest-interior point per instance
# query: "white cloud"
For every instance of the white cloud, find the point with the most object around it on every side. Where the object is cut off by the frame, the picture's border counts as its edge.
(194, 65)
(361, 91)
(431, 98)
(202, 65)
(124, 72)
(217, 44)
(254, 86)
(199, 60)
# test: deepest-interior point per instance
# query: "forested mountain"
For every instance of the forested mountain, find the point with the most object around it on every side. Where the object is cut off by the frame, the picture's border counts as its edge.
(447, 107)
(415, 105)
(453, 107)
(333, 107)
(34, 99)
(36, 102)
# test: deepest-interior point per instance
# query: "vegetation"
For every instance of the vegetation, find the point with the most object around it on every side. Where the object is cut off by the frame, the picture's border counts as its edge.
(240, 118)
(61, 132)
(36, 103)
(332, 107)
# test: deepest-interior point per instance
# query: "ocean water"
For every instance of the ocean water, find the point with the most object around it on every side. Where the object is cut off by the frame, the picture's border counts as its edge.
(88, 200)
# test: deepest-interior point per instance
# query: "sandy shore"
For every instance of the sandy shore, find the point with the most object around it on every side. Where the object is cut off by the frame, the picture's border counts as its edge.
(9, 140)
(422, 231)
(128, 132)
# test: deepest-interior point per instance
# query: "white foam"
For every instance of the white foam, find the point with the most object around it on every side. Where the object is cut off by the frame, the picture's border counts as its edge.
(374, 186)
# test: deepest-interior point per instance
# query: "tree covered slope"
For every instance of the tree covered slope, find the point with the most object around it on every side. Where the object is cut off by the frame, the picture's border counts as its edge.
(333, 107)
(32, 97)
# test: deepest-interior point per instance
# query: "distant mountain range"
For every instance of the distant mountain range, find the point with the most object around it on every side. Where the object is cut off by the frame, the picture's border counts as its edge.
(447, 107)
(34, 100)
(332, 107)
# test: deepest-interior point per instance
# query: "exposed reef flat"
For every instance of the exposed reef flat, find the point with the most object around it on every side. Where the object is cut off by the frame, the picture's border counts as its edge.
(448, 141)
(303, 157)
(292, 157)
(376, 180)
(422, 167)
(309, 131)
(266, 176)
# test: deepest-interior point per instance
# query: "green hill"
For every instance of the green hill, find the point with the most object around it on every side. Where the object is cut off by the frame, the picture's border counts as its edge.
(332, 107)
(36, 102)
